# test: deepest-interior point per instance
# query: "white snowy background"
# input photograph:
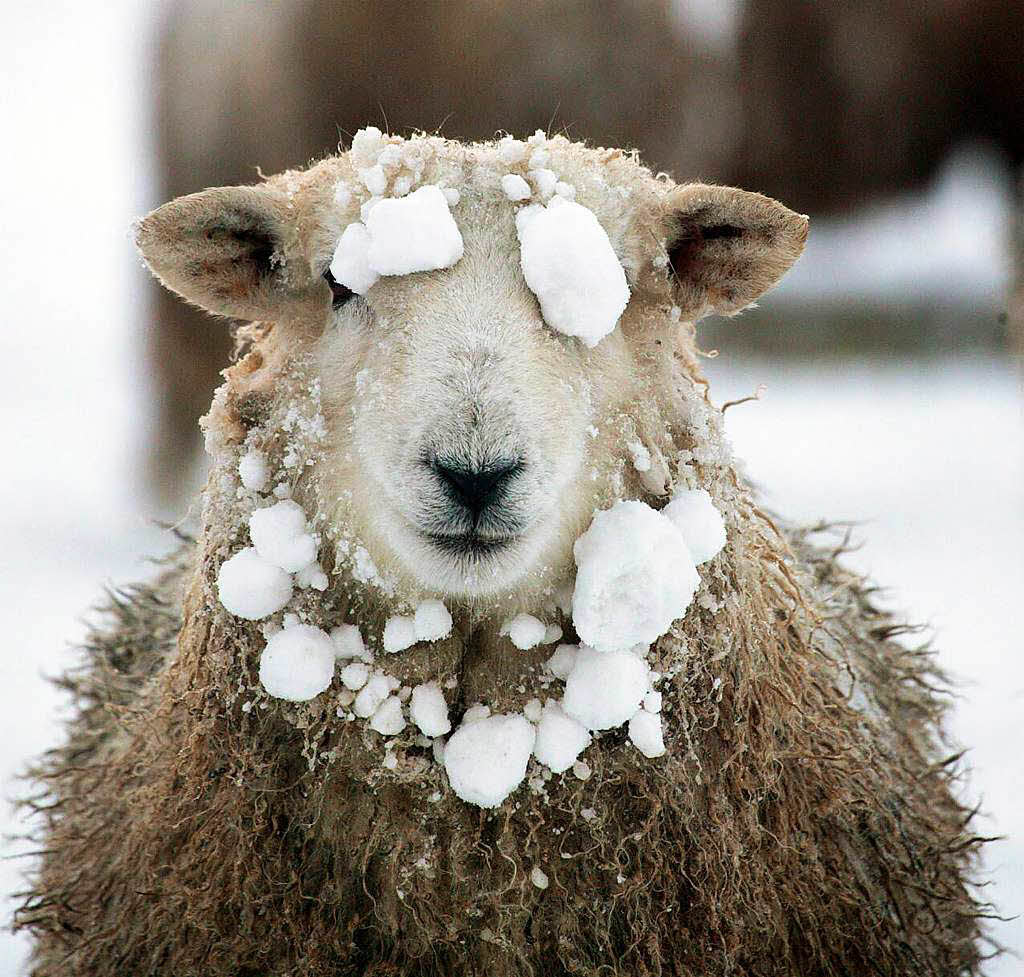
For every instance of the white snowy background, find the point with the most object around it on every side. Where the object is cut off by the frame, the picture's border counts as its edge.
(928, 455)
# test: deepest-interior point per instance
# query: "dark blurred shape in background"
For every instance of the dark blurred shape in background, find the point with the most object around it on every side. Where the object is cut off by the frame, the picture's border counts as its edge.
(823, 105)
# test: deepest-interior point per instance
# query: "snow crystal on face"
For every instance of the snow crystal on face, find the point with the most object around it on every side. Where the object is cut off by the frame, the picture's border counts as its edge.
(350, 266)
(569, 264)
(561, 662)
(645, 734)
(560, 739)
(298, 663)
(399, 633)
(432, 621)
(515, 187)
(252, 588)
(378, 687)
(388, 719)
(253, 470)
(604, 688)
(635, 577)
(279, 535)
(354, 676)
(413, 233)
(348, 642)
(486, 760)
(429, 711)
(525, 631)
(702, 526)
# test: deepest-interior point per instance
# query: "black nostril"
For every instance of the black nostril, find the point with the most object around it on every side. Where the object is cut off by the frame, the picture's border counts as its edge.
(476, 488)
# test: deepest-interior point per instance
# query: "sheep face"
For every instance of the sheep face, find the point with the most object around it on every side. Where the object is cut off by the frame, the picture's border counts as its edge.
(469, 442)
(469, 419)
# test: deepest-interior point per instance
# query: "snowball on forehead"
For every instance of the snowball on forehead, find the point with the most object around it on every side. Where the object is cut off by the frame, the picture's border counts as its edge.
(635, 576)
(413, 233)
(570, 265)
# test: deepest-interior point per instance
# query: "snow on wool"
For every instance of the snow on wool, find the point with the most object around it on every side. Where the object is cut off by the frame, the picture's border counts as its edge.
(348, 643)
(279, 535)
(432, 621)
(387, 718)
(372, 695)
(560, 738)
(515, 187)
(645, 734)
(399, 633)
(429, 710)
(635, 576)
(251, 587)
(297, 663)
(569, 264)
(605, 688)
(525, 631)
(486, 760)
(350, 265)
(561, 662)
(701, 524)
(253, 470)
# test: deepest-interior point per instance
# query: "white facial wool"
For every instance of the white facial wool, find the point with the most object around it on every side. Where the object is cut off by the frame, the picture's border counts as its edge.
(700, 522)
(486, 760)
(570, 265)
(605, 688)
(297, 663)
(252, 588)
(635, 576)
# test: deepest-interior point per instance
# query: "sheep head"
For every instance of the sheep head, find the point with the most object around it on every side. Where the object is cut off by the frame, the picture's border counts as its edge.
(467, 441)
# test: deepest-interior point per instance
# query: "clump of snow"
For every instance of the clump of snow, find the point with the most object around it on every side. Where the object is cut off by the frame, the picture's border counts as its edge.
(652, 701)
(515, 187)
(486, 760)
(475, 712)
(641, 455)
(566, 190)
(429, 710)
(253, 470)
(354, 676)
(366, 145)
(432, 621)
(350, 265)
(645, 734)
(560, 739)
(605, 688)
(399, 633)
(701, 524)
(511, 150)
(298, 663)
(581, 770)
(312, 576)
(538, 877)
(251, 587)
(569, 264)
(413, 233)
(525, 631)
(561, 662)
(452, 196)
(279, 535)
(378, 687)
(552, 633)
(533, 710)
(544, 180)
(348, 642)
(635, 576)
(387, 718)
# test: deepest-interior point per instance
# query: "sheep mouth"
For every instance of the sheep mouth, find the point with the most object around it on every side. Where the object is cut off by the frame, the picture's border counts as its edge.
(469, 544)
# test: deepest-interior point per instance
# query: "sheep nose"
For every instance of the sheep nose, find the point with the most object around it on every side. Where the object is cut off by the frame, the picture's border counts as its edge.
(476, 488)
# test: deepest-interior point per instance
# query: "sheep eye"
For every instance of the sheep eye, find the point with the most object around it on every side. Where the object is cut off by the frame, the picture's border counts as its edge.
(341, 293)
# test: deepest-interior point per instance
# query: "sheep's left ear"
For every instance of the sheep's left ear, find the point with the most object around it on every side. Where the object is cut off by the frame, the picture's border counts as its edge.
(727, 246)
(224, 250)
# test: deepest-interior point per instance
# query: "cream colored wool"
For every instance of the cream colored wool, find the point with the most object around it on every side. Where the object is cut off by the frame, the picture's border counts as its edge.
(801, 820)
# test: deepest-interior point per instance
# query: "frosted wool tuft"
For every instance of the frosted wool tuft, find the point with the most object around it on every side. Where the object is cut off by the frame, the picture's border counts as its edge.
(560, 739)
(701, 524)
(297, 663)
(635, 577)
(413, 233)
(279, 535)
(486, 760)
(569, 264)
(605, 688)
(252, 588)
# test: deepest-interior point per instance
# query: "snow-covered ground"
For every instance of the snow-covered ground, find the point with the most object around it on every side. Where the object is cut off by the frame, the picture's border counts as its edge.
(929, 455)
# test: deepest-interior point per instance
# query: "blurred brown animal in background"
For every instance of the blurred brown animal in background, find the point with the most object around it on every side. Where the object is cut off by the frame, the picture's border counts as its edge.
(829, 104)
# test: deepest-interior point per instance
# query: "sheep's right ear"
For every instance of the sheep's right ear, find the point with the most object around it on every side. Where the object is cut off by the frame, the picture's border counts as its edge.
(223, 249)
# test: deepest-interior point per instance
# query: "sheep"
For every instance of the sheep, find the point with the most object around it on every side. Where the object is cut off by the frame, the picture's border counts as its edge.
(448, 443)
